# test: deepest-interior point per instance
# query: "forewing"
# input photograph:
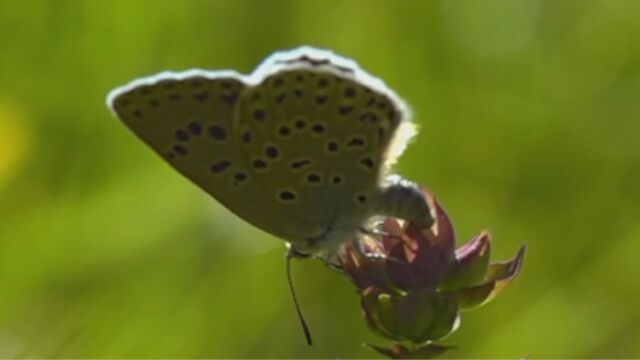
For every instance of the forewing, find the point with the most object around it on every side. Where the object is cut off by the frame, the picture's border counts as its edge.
(188, 119)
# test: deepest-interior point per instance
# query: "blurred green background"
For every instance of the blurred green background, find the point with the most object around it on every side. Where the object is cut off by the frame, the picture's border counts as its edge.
(529, 113)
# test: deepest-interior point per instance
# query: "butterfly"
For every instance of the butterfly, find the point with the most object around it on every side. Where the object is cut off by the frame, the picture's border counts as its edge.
(301, 148)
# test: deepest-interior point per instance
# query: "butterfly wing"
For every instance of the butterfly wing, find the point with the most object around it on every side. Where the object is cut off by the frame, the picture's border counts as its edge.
(188, 119)
(297, 149)
(322, 131)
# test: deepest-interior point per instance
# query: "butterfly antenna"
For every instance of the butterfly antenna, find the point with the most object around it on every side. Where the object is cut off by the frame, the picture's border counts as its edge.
(303, 323)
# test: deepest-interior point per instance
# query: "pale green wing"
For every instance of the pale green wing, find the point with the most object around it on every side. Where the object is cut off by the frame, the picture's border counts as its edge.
(188, 119)
(320, 139)
(298, 148)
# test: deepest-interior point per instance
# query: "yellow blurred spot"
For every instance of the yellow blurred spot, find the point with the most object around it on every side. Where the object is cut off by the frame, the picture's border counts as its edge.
(14, 139)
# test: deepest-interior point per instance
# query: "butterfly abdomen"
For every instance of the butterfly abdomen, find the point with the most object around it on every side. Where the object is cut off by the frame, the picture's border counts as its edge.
(403, 199)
